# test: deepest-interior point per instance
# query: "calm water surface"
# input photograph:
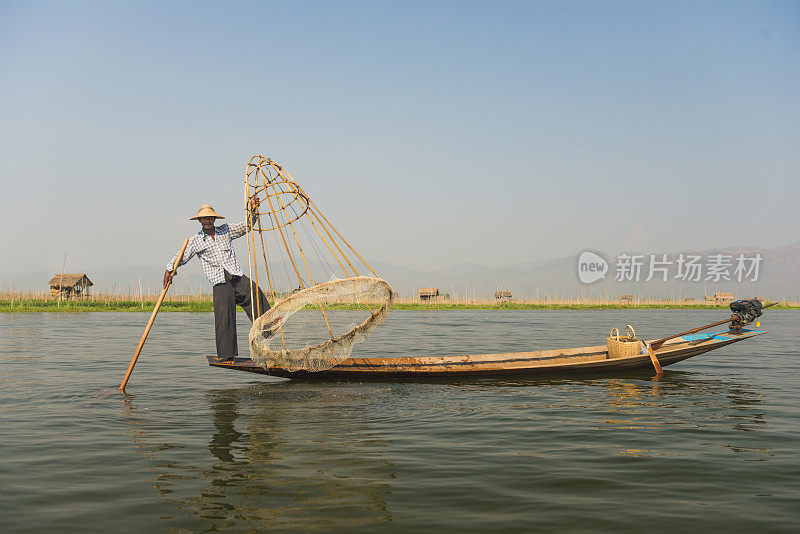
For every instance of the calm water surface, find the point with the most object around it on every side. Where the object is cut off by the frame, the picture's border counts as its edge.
(713, 445)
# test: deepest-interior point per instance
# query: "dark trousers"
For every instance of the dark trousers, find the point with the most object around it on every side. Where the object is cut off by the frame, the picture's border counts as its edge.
(235, 290)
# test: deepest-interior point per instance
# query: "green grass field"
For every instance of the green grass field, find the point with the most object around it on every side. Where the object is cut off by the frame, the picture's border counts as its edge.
(78, 306)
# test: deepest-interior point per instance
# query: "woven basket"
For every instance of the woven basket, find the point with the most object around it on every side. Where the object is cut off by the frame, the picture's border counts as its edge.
(623, 346)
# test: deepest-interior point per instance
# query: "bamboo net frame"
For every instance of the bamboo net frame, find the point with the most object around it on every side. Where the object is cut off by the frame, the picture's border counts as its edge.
(291, 228)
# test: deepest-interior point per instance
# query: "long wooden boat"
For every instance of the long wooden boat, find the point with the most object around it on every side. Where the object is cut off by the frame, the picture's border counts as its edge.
(577, 360)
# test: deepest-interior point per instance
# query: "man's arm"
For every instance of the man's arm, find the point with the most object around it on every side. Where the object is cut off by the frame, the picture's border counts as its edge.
(187, 255)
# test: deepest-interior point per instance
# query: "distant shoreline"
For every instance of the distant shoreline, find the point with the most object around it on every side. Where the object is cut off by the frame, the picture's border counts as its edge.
(206, 306)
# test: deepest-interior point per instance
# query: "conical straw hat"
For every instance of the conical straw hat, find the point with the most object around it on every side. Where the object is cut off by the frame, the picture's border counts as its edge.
(206, 211)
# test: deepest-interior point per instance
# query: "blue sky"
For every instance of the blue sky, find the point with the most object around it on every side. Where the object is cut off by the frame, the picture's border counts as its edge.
(431, 133)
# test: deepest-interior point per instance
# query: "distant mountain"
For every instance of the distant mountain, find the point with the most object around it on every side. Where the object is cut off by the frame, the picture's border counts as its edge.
(778, 277)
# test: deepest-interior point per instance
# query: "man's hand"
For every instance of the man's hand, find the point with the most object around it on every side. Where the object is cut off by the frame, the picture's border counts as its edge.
(167, 278)
(253, 212)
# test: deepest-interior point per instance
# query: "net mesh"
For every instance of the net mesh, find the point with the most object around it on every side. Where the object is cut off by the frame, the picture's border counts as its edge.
(316, 328)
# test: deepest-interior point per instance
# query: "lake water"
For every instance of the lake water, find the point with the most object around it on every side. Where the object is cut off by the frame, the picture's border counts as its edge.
(713, 445)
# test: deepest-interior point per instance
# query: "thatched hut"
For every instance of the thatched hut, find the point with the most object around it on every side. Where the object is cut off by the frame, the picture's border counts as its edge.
(428, 293)
(74, 285)
(502, 295)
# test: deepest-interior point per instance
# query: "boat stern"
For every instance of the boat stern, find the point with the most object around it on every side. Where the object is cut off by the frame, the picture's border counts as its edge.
(722, 337)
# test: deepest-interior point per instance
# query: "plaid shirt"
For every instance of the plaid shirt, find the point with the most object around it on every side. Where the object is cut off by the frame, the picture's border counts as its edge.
(216, 254)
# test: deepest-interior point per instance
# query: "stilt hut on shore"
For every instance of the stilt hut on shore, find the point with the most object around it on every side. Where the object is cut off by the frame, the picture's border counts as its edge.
(70, 285)
(502, 295)
(428, 293)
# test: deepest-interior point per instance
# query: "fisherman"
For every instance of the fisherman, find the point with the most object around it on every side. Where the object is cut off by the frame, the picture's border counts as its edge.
(231, 287)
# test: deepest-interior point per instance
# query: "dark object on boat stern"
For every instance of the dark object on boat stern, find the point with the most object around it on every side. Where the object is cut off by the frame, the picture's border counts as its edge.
(746, 311)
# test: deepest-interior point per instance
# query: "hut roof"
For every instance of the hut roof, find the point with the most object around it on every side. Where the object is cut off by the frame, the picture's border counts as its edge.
(502, 294)
(429, 291)
(70, 280)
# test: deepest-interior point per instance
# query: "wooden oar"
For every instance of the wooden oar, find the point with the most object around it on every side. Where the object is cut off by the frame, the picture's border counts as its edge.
(656, 344)
(152, 318)
(653, 359)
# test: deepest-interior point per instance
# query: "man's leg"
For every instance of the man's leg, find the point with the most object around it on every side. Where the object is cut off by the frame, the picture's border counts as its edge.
(225, 319)
(242, 287)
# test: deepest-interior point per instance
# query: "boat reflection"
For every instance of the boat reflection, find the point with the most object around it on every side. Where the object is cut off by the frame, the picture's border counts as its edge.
(302, 456)
(634, 400)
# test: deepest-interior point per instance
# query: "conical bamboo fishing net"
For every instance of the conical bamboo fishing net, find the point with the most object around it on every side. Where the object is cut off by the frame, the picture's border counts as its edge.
(327, 298)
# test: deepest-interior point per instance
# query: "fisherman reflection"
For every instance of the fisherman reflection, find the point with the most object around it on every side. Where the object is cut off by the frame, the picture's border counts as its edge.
(224, 414)
(297, 465)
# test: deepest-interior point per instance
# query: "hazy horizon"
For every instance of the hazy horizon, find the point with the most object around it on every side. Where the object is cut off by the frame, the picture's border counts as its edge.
(70, 265)
(431, 135)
